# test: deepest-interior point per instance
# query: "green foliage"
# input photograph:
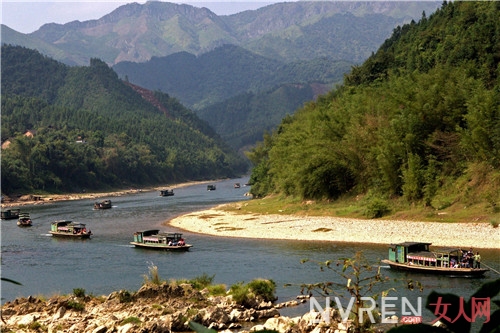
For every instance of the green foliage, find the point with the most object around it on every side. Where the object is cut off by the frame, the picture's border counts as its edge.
(77, 306)
(264, 289)
(132, 320)
(95, 131)
(406, 123)
(125, 296)
(246, 294)
(376, 207)
(79, 292)
(202, 281)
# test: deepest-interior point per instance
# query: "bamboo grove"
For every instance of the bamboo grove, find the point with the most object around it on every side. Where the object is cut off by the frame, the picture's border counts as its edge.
(419, 120)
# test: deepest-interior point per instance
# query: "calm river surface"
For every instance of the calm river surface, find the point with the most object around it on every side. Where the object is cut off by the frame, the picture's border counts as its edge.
(49, 266)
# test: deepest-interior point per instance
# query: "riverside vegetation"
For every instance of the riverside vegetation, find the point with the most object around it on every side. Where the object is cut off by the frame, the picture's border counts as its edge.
(415, 128)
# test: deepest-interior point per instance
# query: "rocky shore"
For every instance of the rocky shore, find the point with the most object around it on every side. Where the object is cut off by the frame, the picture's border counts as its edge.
(154, 308)
(220, 221)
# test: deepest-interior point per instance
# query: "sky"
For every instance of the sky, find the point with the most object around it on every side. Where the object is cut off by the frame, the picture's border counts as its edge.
(28, 16)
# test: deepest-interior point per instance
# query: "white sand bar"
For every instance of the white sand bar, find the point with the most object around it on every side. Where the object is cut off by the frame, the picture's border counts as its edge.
(219, 222)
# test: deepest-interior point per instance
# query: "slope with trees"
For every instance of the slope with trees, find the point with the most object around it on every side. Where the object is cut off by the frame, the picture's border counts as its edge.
(92, 130)
(417, 122)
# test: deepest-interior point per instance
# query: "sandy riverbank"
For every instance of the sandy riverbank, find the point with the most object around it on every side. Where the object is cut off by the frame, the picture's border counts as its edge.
(217, 221)
(48, 198)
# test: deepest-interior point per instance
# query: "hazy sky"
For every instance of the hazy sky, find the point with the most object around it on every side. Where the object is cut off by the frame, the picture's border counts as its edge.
(28, 16)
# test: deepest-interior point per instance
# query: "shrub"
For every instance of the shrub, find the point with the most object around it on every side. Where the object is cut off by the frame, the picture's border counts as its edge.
(133, 320)
(265, 289)
(79, 292)
(217, 290)
(75, 306)
(376, 208)
(202, 281)
(153, 277)
(125, 296)
(259, 288)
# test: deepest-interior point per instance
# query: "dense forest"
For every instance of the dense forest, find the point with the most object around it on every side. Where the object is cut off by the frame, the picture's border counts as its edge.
(419, 121)
(90, 130)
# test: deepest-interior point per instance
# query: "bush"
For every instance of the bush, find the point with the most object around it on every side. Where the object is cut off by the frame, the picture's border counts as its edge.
(125, 296)
(257, 289)
(376, 208)
(75, 306)
(79, 292)
(202, 281)
(133, 320)
(265, 289)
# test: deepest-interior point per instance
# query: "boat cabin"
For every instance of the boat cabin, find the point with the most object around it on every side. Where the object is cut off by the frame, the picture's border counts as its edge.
(106, 204)
(69, 227)
(166, 193)
(10, 214)
(155, 237)
(413, 253)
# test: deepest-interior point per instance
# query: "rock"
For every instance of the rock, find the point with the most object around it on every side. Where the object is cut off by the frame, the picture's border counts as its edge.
(100, 329)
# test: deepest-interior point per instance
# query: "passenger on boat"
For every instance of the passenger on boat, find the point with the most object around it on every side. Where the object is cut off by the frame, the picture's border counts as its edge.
(477, 258)
(181, 242)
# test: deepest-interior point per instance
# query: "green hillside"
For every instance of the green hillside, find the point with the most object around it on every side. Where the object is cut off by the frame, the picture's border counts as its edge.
(94, 131)
(418, 123)
(225, 72)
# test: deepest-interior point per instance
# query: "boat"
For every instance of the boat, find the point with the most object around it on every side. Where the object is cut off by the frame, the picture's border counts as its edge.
(417, 257)
(211, 188)
(24, 220)
(10, 214)
(237, 185)
(106, 204)
(166, 193)
(70, 229)
(153, 239)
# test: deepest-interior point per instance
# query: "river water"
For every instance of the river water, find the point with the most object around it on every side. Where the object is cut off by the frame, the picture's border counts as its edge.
(107, 262)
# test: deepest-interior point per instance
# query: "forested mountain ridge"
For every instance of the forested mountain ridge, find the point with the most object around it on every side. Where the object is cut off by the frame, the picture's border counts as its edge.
(225, 72)
(92, 130)
(418, 122)
(288, 31)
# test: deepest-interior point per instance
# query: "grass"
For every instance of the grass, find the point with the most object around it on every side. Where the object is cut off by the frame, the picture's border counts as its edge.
(355, 207)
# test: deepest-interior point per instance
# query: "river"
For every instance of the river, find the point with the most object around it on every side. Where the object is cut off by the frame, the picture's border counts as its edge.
(107, 262)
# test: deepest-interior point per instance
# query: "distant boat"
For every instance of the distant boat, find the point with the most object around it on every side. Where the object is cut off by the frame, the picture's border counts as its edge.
(24, 220)
(10, 214)
(66, 228)
(237, 185)
(166, 193)
(106, 204)
(153, 239)
(416, 257)
(211, 188)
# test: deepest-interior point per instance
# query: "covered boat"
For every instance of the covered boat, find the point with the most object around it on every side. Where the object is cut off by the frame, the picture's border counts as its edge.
(24, 220)
(417, 257)
(70, 229)
(10, 214)
(211, 187)
(166, 193)
(153, 239)
(106, 204)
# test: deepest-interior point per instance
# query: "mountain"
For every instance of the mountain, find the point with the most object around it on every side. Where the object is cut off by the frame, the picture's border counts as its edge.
(285, 31)
(416, 126)
(68, 128)
(227, 71)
